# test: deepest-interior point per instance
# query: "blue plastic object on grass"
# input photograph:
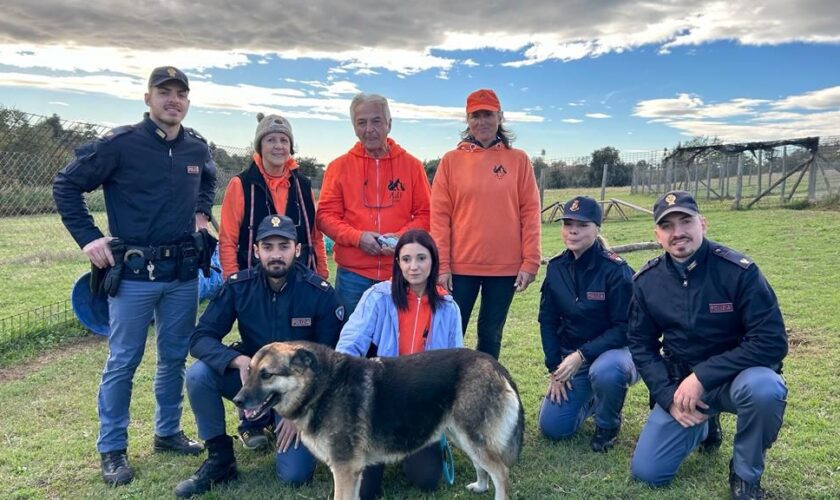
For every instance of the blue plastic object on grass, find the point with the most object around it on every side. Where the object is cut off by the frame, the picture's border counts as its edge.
(92, 311)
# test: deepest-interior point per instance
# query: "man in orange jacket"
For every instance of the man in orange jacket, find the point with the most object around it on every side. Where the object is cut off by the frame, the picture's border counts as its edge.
(370, 196)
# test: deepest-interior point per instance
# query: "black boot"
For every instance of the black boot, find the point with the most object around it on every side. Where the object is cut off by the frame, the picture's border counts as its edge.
(604, 439)
(742, 490)
(115, 468)
(178, 443)
(715, 436)
(219, 468)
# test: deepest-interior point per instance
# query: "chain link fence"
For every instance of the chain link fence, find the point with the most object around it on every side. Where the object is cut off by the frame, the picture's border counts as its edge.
(39, 261)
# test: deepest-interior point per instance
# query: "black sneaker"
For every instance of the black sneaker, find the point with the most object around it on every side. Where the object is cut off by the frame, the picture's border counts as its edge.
(742, 490)
(715, 437)
(178, 443)
(253, 439)
(115, 468)
(604, 439)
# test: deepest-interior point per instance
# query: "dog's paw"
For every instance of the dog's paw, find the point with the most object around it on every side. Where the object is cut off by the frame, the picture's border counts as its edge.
(477, 487)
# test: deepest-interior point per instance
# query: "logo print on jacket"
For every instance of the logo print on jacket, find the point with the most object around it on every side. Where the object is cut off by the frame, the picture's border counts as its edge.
(499, 171)
(396, 189)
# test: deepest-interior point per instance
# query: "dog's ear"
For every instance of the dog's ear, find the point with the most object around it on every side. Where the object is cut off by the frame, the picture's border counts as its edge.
(304, 359)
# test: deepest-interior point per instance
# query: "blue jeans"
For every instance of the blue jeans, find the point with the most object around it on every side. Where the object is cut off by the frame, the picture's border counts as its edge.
(173, 306)
(206, 388)
(350, 286)
(758, 396)
(598, 388)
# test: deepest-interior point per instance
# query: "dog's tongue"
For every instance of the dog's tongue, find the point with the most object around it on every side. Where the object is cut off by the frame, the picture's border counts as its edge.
(249, 414)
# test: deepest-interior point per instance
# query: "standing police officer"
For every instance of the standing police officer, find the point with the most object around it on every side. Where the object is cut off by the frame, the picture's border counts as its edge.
(159, 180)
(583, 324)
(707, 335)
(276, 301)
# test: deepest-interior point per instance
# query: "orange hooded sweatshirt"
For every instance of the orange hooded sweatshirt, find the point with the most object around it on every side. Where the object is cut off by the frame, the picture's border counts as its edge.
(486, 211)
(233, 209)
(361, 193)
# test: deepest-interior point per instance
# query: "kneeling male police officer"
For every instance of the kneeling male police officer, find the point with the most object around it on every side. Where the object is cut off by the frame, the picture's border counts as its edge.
(707, 336)
(279, 300)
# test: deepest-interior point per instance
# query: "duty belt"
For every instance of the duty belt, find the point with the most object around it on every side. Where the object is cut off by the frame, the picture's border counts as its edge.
(139, 258)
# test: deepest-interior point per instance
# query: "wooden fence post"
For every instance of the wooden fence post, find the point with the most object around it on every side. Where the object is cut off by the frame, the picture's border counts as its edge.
(739, 182)
(604, 182)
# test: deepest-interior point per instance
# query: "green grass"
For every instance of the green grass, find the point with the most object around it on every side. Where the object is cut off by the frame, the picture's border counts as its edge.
(49, 422)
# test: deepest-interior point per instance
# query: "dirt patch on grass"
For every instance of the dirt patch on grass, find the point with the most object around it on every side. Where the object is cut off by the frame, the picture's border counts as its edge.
(62, 351)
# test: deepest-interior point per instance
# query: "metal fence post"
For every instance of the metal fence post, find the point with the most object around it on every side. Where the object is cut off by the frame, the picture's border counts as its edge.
(784, 172)
(604, 182)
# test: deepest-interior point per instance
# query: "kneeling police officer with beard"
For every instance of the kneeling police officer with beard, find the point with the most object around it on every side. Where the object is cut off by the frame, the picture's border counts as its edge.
(279, 300)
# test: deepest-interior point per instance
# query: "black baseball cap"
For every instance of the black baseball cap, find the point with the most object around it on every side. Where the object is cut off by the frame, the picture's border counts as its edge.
(584, 209)
(164, 74)
(277, 225)
(674, 201)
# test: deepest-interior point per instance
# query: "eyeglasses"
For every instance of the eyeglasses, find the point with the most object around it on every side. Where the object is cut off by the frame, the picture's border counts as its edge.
(389, 200)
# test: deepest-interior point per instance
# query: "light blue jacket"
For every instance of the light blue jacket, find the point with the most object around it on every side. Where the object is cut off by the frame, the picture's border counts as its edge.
(375, 321)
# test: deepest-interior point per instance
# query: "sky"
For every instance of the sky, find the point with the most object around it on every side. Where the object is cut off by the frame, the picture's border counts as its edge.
(572, 75)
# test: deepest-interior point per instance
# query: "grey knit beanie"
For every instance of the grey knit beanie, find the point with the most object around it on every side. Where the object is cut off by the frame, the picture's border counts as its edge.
(269, 124)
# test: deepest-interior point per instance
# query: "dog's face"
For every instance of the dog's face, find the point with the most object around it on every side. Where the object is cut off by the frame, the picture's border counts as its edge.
(279, 375)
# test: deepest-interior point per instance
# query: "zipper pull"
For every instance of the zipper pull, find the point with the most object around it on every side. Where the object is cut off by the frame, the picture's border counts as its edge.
(170, 152)
(685, 283)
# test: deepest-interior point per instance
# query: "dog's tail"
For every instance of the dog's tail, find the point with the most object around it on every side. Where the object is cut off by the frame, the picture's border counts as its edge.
(513, 448)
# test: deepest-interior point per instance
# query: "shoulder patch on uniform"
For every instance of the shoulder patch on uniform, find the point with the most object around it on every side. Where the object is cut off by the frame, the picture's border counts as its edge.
(195, 134)
(116, 132)
(648, 265)
(613, 257)
(733, 256)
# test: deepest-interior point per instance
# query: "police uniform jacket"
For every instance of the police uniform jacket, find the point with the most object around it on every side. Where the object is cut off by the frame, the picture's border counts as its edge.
(584, 304)
(718, 319)
(306, 308)
(153, 187)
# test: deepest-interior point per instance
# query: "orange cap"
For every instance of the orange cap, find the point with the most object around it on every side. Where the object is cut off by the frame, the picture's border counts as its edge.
(483, 99)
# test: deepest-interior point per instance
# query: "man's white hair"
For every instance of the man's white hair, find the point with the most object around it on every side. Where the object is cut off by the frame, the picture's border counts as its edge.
(362, 98)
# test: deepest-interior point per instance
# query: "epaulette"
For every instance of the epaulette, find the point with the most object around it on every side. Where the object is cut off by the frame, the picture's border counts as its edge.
(195, 134)
(613, 257)
(731, 255)
(317, 281)
(116, 132)
(648, 265)
(239, 276)
(558, 255)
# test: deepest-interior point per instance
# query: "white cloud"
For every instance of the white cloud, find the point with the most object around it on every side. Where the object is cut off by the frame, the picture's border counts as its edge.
(828, 98)
(469, 63)
(58, 103)
(597, 115)
(571, 120)
(745, 119)
(332, 101)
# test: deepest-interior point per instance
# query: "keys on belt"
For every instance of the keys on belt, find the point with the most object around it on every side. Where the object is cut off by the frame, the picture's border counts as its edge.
(134, 259)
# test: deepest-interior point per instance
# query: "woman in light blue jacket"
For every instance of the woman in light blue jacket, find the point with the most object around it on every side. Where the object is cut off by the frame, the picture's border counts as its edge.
(406, 315)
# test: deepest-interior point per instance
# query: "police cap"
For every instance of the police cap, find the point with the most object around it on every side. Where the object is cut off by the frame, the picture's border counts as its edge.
(674, 201)
(584, 209)
(277, 225)
(164, 74)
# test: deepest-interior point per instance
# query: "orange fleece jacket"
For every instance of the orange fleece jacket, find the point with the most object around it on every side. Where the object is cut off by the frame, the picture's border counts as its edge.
(414, 322)
(361, 193)
(233, 209)
(486, 211)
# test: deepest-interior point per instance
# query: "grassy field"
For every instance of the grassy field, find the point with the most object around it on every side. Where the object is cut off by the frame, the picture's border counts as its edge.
(49, 422)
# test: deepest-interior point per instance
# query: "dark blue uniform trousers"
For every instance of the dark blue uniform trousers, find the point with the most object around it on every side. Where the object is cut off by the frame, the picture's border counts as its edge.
(206, 388)
(757, 396)
(598, 388)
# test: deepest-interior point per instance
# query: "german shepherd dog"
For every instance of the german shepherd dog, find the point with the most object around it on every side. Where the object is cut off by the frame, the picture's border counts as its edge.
(353, 412)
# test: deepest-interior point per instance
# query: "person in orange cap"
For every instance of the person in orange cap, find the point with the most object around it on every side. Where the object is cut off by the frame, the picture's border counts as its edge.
(485, 218)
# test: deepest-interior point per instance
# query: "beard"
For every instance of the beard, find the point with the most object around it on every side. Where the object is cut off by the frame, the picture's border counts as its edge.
(277, 269)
